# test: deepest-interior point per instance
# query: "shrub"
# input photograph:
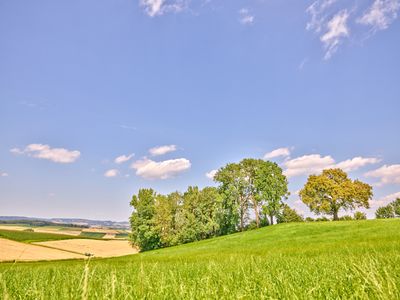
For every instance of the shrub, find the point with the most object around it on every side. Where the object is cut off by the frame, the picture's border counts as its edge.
(358, 215)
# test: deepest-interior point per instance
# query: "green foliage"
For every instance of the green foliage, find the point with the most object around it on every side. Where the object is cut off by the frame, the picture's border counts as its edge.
(309, 219)
(358, 215)
(144, 233)
(168, 220)
(252, 184)
(30, 237)
(289, 215)
(289, 261)
(346, 218)
(385, 212)
(333, 190)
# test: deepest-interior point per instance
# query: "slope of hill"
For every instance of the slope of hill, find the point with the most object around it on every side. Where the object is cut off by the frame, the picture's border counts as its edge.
(348, 260)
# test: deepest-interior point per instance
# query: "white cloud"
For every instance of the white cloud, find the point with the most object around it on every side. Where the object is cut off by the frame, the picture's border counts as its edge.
(384, 200)
(160, 7)
(315, 163)
(161, 150)
(123, 158)
(277, 153)
(380, 14)
(386, 174)
(150, 169)
(356, 163)
(245, 17)
(211, 174)
(3, 174)
(336, 30)
(58, 155)
(111, 173)
(307, 164)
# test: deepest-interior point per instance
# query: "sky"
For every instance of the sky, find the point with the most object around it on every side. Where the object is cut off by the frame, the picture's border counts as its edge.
(99, 98)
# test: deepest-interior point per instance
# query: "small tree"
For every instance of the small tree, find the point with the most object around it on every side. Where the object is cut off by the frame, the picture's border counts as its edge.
(333, 190)
(358, 215)
(385, 212)
(396, 207)
(288, 215)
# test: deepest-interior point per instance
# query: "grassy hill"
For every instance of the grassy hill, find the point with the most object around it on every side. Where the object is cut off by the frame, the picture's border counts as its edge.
(329, 260)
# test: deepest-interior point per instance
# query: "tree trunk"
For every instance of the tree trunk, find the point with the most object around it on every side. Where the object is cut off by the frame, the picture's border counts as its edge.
(271, 217)
(335, 215)
(256, 213)
(241, 220)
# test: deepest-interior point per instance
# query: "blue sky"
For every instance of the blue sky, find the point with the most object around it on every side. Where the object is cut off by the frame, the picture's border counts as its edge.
(85, 82)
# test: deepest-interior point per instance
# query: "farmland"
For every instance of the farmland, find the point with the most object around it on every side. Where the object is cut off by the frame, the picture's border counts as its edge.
(347, 259)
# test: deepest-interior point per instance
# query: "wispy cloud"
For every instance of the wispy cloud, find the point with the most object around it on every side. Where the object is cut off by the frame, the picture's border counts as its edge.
(3, 174)
(386, 174)
(245, 17)
(161, 150)
(337, 30)
(150, 169)
(111, 173)
(334, 20)
(159, 7)
(123, 158)
(317, 11)
(281, 152)
(380, 14)
(58, 155)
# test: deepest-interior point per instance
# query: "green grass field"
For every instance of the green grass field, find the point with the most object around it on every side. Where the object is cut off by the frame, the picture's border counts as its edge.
(327, 260)
(95, 235)
(31, 237)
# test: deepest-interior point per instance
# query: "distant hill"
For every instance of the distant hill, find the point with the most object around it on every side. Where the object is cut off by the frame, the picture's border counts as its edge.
(64, 221)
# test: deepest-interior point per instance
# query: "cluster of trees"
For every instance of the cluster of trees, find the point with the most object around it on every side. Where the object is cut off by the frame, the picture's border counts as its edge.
(392, 210)
(252, 187)
(249, 195)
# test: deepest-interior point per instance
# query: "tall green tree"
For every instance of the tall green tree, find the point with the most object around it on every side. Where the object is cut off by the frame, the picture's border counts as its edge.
(166, 210)
(234, 200)
(144, 232)
(334, 190)
(271, 188)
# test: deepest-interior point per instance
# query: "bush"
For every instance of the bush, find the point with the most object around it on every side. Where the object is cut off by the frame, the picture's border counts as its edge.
(358, 215)
(346, 218)
(309, 219)
(322, 219)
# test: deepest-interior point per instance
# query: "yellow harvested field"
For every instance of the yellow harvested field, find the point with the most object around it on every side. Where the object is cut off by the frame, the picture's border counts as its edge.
(11, 250)
(12, 227)
(96, 247)
(101, 230)
(109, 236)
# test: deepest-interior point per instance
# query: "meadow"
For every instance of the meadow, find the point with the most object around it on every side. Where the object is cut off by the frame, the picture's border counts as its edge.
(329, 260)
(31, 236)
